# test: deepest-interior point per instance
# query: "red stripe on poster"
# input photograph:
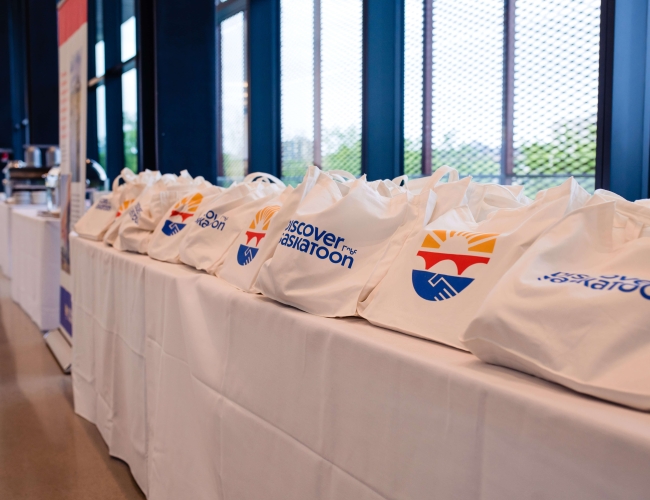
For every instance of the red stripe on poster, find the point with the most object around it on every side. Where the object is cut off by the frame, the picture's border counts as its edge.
(72, 15)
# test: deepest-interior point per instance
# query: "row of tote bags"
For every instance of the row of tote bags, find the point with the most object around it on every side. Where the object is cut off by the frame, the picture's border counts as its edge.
(428, 258)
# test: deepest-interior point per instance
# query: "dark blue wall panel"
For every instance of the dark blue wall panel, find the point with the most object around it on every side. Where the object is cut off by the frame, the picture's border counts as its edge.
(185, 87)
(383, 88)
(6, 119)
(629, 155)
(42, 71)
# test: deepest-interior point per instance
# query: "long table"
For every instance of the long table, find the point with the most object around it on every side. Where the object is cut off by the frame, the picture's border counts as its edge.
(208, 392)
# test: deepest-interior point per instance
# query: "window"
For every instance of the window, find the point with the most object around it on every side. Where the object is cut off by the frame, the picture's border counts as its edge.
(128, 52)
(115, 80)
(321, 72)
(100, 94)
(232, 125)
(130, 118)
(502, 90)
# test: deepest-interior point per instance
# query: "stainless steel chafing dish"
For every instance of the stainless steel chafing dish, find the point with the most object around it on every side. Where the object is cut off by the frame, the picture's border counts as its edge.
(26, 175)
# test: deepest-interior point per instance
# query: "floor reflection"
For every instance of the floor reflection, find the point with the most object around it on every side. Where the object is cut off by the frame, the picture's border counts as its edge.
(46, 450)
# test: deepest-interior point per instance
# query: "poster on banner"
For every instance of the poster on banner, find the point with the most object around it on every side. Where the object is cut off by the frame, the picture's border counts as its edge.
(73, 85)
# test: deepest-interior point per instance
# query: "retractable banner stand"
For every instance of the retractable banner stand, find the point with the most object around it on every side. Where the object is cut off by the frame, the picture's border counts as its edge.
(73, 84)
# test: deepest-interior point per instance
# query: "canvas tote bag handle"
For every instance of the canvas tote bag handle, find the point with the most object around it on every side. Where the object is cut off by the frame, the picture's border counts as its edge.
(126, 175)
(347, 176)
(255, 176)
(442, 171)
(401, 180)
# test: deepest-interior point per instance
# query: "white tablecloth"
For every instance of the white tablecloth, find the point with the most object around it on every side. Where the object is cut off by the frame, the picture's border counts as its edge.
(36, 257)
(5, 233)
(208, 392)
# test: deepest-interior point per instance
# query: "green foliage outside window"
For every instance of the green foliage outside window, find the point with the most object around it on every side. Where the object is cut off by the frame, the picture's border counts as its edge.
(538, 164)
(130, 128)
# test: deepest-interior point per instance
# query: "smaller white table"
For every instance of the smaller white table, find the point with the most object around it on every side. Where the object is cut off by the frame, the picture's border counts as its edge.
(36, 258)
(5, 232)
(5, 239)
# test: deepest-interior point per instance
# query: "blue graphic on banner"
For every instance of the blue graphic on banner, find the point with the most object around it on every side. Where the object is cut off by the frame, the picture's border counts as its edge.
(65, 311)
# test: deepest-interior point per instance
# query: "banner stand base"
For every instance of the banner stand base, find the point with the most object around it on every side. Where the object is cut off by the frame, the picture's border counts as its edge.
(61, 349)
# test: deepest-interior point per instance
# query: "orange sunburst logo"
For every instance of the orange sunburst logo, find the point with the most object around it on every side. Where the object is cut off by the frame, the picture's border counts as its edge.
(124, 206)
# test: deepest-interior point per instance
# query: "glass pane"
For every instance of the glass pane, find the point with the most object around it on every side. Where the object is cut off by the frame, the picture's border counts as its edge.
(341, 55)
(100, 61)
(468, 86)
(321, 52)
(100, 95)
(297, 86)
(556, 91)
(413, 85)
(234, 100)
(130, 118)
(127, 30)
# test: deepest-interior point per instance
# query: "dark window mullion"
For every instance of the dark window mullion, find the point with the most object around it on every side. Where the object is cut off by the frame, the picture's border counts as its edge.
(247, 70)
(507, 148)
(92, 146)
(427, 88)
(220, 170)
(145, 64)
(318, 159)
(605, 81)
(113, 82)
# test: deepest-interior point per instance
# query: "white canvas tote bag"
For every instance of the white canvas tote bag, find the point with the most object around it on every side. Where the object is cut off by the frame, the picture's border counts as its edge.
(94, 223)
(575, 309)
(432, 200)
(237, 220)
(129, 192)
(143, 215)
(444, 272)
(247, 255)
(241, 263)
(330, 247)
(483, 199)
(213, 231)
(166, 238)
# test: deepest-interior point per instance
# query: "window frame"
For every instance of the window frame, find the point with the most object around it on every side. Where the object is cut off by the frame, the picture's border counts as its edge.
(114, 68)
(507, 155)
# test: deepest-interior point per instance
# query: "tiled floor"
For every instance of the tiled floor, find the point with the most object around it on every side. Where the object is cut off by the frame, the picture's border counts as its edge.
(47, 452)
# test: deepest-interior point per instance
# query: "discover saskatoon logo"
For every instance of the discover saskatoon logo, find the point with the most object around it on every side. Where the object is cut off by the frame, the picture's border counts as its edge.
(608, 282)
(317, 242)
